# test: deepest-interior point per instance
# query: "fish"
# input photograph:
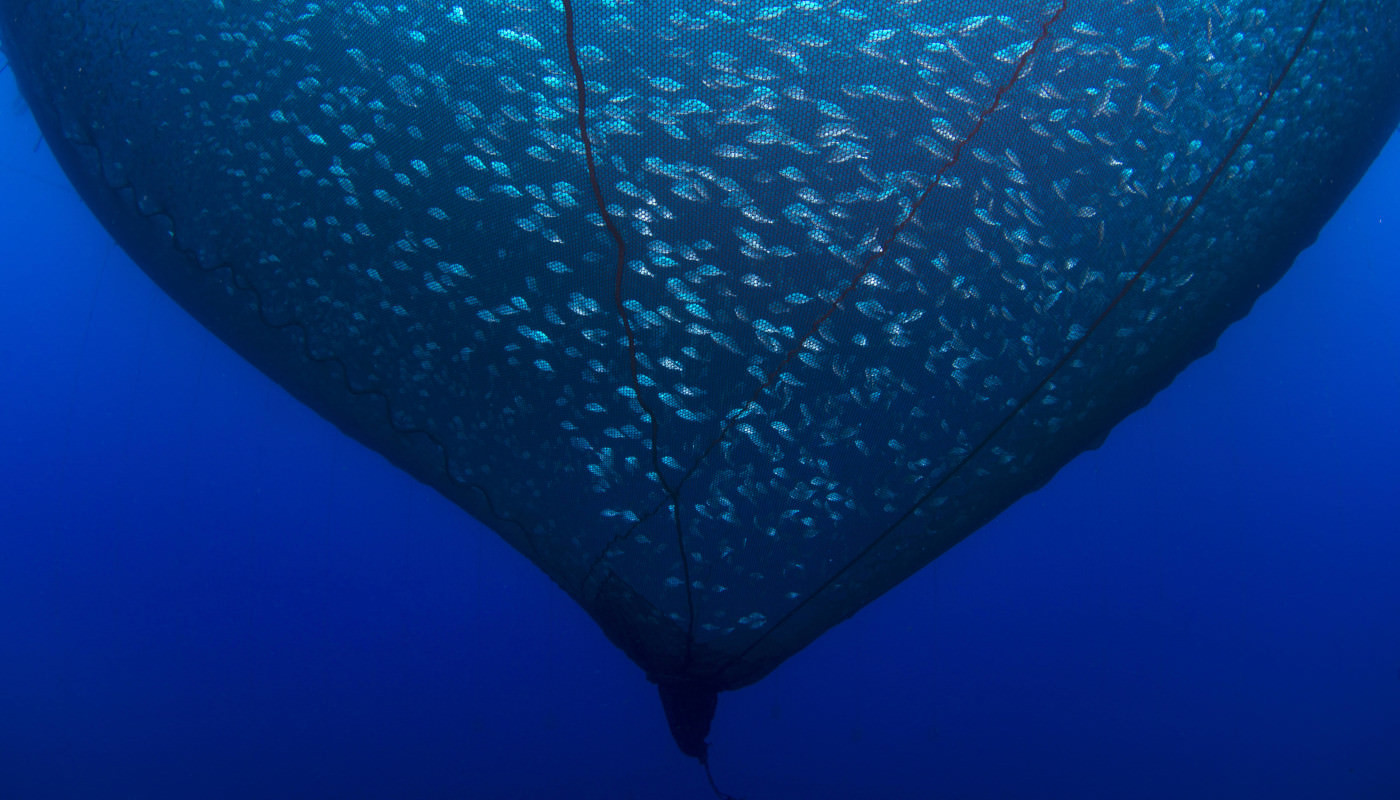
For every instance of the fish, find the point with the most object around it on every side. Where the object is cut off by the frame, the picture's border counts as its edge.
(703, 295)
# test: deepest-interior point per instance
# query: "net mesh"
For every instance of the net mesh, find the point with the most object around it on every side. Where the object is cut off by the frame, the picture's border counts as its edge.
(774, 306)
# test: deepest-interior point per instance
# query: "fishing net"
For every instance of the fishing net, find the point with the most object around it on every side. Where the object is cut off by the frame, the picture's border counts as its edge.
(729, 316)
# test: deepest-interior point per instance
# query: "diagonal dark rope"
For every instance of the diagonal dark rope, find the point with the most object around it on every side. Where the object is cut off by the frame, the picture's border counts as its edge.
(1069, 354)
(884, 245)
(771, 377)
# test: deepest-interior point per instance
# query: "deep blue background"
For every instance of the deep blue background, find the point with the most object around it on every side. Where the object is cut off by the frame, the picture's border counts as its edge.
(208, 592)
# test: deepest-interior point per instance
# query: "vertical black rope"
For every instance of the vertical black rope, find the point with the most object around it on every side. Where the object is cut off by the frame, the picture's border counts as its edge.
(705, 762)
(615, 233)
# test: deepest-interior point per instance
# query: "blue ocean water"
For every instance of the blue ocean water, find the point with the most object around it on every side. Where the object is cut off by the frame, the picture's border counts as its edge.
(206, 591)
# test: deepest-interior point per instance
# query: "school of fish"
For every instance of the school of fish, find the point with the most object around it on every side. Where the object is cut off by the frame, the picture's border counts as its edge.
(867, 251)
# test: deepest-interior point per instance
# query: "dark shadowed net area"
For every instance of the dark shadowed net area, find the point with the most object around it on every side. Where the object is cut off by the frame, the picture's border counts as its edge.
(728, 316)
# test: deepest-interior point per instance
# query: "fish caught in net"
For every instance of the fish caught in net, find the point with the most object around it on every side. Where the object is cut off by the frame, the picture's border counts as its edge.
(728, 315)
